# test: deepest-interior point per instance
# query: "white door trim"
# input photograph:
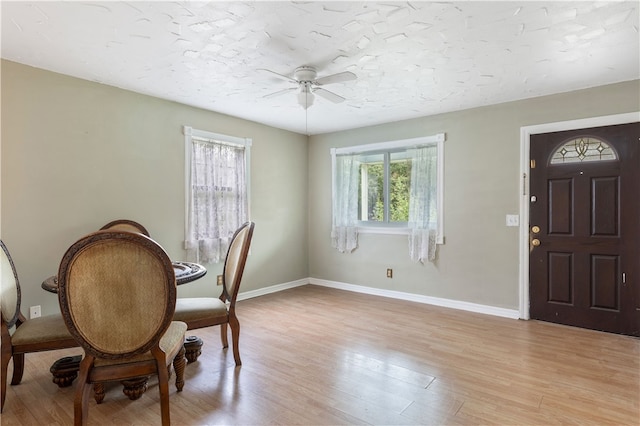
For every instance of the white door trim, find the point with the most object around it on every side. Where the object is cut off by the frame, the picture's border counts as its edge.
(525, 134)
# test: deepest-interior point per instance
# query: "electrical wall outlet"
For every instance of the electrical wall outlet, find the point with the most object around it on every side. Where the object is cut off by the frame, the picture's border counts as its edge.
(219, 280)
(389, 273)
(35, 312)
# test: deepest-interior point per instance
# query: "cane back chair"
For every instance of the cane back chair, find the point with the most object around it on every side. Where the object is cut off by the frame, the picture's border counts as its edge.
(45, 333)
(198, 312)
(117, 293)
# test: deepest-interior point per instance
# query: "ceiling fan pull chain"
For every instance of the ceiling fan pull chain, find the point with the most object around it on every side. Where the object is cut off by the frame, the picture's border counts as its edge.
(306, 118)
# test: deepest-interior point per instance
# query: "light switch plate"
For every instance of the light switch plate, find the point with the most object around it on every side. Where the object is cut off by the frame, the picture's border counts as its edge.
(513, 220)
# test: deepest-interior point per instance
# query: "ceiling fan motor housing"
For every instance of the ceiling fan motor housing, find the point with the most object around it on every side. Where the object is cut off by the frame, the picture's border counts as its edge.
(305, 74)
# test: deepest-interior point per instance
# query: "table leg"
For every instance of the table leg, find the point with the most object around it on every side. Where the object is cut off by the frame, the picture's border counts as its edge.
(193, 348)
(134, 388)
(65, 370)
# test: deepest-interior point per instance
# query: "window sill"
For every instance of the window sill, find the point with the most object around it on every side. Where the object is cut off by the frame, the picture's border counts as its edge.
(390, 231)
(382, 230)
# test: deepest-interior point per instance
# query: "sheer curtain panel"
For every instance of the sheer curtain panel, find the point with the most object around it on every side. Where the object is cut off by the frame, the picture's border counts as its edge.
(423, 211)
(344, 229)
(217, 204)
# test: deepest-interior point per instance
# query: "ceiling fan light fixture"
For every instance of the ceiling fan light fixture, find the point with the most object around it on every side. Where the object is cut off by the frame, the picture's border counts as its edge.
(305, 98)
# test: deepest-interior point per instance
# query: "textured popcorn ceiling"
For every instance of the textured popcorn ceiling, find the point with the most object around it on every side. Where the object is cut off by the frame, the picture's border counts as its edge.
(412, 58)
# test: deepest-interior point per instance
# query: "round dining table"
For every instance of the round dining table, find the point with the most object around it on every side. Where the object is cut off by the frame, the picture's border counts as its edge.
(185, 273)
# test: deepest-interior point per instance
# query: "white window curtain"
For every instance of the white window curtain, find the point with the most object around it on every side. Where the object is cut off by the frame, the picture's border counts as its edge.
(423, 211)
(217, 203)
(344, 230)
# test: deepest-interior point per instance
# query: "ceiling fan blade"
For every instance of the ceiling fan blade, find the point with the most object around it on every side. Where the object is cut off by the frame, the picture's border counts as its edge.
(280, 76)
(280, 92)
(328, 95)
(336, 78)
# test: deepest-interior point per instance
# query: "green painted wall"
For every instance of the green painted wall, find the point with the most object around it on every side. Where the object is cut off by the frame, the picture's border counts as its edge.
(479, 261)
(77, 154)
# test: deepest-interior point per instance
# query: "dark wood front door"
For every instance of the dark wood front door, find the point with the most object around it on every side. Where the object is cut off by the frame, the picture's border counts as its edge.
(585, 228)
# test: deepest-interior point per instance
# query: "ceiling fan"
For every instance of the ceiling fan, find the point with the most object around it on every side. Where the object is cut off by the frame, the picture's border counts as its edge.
(307, 83)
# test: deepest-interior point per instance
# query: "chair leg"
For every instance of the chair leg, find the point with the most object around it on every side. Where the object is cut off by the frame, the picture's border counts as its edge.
(98, 392)
(18, 368)
(193, 348)
(81, 404)
(179, 363)
(83, 390)
(6, 350)
(223, 335)
(163, 386)
(6, 357)
(235, 336)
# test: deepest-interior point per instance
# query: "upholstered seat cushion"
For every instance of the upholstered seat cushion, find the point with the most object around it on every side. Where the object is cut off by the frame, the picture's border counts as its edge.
(194, 308)
(170, 343)
(40, 330)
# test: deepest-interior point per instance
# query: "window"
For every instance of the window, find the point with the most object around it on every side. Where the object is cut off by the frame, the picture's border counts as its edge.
(216, 192)
(383, 194)
(583, 149)
(390, 187)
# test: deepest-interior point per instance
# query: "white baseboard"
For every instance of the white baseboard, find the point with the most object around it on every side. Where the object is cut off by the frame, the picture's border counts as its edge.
(437, 301)
(272, 289)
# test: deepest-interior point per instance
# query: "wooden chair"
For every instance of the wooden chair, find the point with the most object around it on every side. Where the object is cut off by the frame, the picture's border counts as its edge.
(125, 225)
(117, 294)
(201, 312)
(39, 334)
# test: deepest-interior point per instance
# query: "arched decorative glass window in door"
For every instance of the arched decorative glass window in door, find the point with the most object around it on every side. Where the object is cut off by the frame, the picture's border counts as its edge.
(583, 149)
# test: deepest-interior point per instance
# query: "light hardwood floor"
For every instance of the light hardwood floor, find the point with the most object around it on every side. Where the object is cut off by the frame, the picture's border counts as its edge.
(314, 355)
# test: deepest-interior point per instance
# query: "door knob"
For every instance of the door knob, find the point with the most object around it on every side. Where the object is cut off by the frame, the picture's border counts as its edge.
(535, 229)
(535, 242)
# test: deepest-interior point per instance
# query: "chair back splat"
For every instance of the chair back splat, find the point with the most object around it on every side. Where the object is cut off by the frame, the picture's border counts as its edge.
(117, 294)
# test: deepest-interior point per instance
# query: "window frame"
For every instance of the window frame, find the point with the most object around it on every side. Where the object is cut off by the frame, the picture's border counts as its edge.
(190, 133)
(368, 227)
(386, 188)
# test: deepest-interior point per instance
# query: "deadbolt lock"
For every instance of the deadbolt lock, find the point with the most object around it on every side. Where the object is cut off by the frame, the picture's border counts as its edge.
(535, 242)
(535, 229)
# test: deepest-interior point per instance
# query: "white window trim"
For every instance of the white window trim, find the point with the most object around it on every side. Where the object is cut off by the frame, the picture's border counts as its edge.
(189, 133)
(437, 139)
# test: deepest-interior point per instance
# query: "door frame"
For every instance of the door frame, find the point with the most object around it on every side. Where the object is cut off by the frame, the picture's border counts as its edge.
(524, 188)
